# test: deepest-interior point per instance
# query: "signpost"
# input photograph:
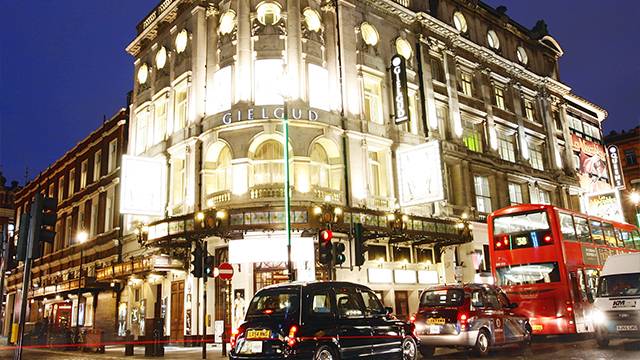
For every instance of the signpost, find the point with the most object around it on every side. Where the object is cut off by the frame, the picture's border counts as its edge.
(225, 272)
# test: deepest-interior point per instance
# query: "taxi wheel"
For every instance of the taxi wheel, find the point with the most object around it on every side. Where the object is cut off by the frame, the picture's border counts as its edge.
(482, 343)
(409, 349)
(325, 352)
(427, 351)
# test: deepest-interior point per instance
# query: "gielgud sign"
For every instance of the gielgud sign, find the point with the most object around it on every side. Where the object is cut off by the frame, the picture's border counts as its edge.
(400, 93)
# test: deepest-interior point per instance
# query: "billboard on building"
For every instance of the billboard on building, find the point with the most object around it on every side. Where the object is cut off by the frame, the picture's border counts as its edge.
(400, 91)
(143, 188)
(605, 205)
(420, 174)
(593, 172)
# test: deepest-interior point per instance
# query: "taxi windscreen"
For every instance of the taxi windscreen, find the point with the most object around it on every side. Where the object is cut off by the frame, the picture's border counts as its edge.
(276, 302)
(444, 297)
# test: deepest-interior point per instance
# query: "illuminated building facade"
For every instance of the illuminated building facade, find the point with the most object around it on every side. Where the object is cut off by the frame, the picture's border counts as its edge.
(628, 146)
(487, 127)
(7, 227)
(85, 182)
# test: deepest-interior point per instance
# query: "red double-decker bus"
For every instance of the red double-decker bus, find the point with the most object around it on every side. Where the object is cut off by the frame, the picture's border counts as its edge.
(548, 259)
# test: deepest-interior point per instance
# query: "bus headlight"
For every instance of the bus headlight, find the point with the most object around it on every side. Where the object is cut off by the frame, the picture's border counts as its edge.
(598, 317)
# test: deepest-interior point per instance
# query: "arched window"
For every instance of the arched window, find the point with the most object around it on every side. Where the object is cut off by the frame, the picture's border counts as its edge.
(217, 170)
(268, 163)
(320, 168)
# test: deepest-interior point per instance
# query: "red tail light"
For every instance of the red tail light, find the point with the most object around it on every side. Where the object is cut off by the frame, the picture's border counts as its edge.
(412, 318)
(462, 318)
(234, 337)
(569, 309)
(547, 239)
(291, 339)
(502, 243)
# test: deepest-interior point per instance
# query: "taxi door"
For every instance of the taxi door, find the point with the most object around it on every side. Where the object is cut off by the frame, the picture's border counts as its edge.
(495, 313)
(354, 331)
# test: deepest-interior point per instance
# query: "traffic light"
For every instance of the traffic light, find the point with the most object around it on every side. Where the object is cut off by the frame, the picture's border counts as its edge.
(23, 237)
(43, 222)
(325, 247)
(196, 260)
(209, 265)
(338, 254)
(358, 238)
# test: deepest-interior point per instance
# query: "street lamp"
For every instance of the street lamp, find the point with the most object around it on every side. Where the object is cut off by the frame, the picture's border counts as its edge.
(287, 196)
(81, 238)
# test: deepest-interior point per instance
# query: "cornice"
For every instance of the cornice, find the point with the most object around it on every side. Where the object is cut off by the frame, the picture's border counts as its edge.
(406, 15)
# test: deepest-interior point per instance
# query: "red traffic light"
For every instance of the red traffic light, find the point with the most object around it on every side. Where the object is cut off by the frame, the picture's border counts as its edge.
(326, 235)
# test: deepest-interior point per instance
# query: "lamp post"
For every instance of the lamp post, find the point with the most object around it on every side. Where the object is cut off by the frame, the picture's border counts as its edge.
(81, 238)
(635, 199)
(287, 195)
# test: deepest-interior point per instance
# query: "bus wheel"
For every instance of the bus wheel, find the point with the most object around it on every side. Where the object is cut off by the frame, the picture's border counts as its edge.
(482, 343)
(602, 341)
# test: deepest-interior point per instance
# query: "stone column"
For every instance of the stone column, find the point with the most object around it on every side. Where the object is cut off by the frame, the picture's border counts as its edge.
(523, 146)
(211, 57)
(452, 92)
(199, 60)
(544, 107)
(293, 49)
(243, 69)
(570, 165)
(331, 54)
(485, 89)
(429, 93)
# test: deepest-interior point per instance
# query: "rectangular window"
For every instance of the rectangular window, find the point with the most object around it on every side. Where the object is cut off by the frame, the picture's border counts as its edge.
(377, 184)
(472, 135)
(566, 227)
(528, 274)
(437, 70)
(596, 232)
(113, 155)
(268, 79)
(515, 193)
(93, 224)
(180, 111)
(160, 120)
(84, 169)
(535, 153)
(68, 229)
(318, 87)
(582, 229)
(506, 149)
(377, 253)
(373, 99)
(60, 189)
(177, 180)
(544, 197)
(630, 157)
(498, 96)
(97, 165)
(82, 216)
(529, 110)
(483, 195)
(465, 84)
(222, 94)
(142, 119)
(72, 181)
(108, 210)
(51, 191)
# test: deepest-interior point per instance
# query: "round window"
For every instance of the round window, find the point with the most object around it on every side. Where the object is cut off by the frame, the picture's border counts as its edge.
(521, 53)
(312, 19)
(227, 22)
(403, 48)
(492, 40)
(269, 13)
(161, 57)
(369, 34)
(459, 22)
(143, 74)
(181, 40)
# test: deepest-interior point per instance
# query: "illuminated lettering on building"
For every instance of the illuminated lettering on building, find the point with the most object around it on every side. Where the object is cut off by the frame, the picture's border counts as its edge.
(400, 95)
(264, 113)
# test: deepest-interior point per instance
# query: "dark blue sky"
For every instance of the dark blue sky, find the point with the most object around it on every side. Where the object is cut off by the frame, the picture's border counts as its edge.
(63, 66)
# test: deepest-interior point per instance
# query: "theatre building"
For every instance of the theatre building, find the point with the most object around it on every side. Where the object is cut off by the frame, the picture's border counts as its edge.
(480, 123)
(63, 288)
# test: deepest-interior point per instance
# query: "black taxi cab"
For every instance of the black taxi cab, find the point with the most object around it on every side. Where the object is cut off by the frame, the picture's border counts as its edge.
(476, 316)
(321, 320)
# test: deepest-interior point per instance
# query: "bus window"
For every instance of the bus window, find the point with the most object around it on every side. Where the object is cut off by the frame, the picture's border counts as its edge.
(523, 230)
(591, 280)
(609, 236)
(596, 232)
(540, 273)
(582, 229)
(566, 226)
(636, 238)
(618, 233)
(626, 238)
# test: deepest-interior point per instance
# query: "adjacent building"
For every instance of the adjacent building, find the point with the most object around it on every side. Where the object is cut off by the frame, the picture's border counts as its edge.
(627, 148)
(85, 182)
(7, 227)
(483, 122)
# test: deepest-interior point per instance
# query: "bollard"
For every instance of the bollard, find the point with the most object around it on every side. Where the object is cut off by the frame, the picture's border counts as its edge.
(128, 345)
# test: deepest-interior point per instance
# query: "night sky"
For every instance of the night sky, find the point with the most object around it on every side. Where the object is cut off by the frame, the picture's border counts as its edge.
(63, 67)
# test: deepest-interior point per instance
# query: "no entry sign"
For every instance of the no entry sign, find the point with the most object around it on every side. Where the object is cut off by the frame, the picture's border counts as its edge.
(225, 271)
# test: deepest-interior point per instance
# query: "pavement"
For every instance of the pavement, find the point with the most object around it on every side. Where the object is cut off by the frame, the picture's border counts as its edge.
(551, 348)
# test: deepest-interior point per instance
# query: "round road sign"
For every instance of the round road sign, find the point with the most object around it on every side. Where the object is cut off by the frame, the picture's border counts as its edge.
(225, 271)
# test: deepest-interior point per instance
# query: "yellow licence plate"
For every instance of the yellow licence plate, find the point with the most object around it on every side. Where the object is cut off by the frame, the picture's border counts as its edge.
(435, 321)
(258, 334)
(536, 327)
